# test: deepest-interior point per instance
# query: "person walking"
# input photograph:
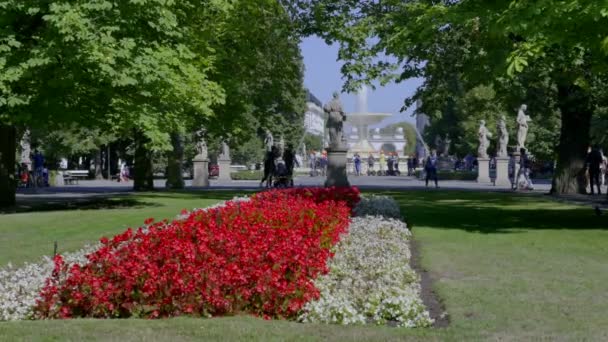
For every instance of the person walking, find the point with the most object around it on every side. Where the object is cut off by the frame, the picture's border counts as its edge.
(410, 165)
(431, 169)
(370, 164)
(523, 177)
(38, 159)
(323, 162)
(312, 163)
(382, 161)
(269, 166)
(593, 164)
(290, 162)
(357, 162)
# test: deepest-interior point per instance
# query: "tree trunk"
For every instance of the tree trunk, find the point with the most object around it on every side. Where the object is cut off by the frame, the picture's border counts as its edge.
(142, 178)
(175, 158)
(8, 147)
(98, 166)
(576, 113)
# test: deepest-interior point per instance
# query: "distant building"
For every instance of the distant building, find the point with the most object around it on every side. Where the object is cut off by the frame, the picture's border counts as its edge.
(314, 118)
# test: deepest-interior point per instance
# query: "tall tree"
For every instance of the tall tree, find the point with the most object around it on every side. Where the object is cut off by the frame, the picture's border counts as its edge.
(566, 41)
(132, 65)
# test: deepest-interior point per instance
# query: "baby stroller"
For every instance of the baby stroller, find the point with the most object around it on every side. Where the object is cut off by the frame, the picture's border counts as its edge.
(281, 174)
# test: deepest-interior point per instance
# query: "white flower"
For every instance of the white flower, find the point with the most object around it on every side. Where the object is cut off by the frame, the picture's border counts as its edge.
(370, 280)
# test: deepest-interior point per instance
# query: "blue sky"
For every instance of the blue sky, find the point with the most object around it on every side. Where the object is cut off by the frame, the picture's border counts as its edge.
(323, 77)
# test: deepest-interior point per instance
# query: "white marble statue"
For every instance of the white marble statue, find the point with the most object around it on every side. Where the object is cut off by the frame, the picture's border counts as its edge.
(26, 149)
(268, 140)
(335, 122)
(201, 145)
(483, 134)
(503, 138)
(522, 123)
(445, 147)
(225, 155)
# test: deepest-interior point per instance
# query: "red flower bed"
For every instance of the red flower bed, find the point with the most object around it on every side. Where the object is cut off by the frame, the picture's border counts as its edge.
(350, 195)
(259, 257)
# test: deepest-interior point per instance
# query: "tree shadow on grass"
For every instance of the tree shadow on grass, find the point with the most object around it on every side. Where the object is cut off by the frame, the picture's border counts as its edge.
(493, 212)
(91, 203)
(131, 200)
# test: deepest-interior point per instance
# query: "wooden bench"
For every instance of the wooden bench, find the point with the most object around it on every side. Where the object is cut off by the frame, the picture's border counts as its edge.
(76, 175)
(67, 179)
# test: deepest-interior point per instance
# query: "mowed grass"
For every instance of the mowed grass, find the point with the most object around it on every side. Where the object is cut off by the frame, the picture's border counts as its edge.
(30, 235)
(507, 267)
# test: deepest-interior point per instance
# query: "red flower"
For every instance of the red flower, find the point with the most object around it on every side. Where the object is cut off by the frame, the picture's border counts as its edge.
(259, 256)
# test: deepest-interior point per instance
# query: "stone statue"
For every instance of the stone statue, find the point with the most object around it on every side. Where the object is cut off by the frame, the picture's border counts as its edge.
(268, 141)
(282, 144)
(503, 138)
(225, 155)
(445, 148)
(201, 145)
(522, 123)
(483, 134)
(26, 149)
(438, 143)
(335, 122)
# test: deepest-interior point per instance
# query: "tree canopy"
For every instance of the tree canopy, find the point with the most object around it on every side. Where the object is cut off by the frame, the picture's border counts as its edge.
(521, 49)
(151, 70)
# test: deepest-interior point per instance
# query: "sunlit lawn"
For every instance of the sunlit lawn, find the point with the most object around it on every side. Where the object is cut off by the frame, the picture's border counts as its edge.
(506, 267)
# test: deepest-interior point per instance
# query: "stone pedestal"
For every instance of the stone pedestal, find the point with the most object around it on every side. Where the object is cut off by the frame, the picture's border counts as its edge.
(517, 156)
(58, 181)
(502, 172)
(224, 165)
(483, 169)
(201, 172)
(336, 168)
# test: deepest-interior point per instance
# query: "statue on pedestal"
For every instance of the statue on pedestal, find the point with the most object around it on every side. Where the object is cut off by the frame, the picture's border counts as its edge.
(26, 149)
(225, 154)
(522, 123)
(268, 141)
(445, 147)
(335, 122)
(201, 145)
(483, 134)
(438, 143)
(503, 138)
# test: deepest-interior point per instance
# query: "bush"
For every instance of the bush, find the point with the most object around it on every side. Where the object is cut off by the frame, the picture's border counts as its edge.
(259, 256)
(453, 175)
(247, 175)
(376, 205)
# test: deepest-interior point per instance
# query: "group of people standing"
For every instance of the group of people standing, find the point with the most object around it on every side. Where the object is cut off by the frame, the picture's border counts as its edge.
(317, 162)
(278, 167)
(388, 165)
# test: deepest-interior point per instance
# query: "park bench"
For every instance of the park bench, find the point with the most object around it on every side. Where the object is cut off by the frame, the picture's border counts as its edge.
(75, 175)
(67, 179)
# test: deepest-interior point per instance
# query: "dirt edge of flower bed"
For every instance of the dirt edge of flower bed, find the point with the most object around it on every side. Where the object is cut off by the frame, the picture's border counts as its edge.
(430, 298)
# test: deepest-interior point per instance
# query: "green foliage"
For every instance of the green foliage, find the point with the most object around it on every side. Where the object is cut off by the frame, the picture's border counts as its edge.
(259, 64)
(409, 131)
(247, 175)
(250, 152)
(313, 142)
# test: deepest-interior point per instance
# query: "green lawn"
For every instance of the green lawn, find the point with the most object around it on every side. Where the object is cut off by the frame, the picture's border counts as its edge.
(30, 235)
(507, 267)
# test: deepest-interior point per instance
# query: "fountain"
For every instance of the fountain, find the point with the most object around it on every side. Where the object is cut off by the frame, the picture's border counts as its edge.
(359, 140)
